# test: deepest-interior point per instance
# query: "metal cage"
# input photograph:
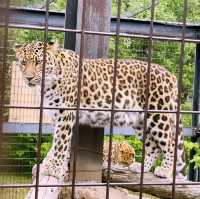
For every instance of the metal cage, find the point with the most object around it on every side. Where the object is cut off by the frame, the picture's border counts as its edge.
(151, 31)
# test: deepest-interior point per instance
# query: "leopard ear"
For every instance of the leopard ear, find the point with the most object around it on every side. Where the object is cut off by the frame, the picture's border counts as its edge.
(17, 47)
(53, 45)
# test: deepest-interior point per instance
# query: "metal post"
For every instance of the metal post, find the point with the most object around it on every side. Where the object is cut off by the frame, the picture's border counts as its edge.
(70, 23)
(98, 19)
(195, 117)
(3, 63)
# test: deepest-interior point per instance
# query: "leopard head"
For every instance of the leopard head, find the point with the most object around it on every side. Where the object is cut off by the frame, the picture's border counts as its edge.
(30, 58)
(126, 154)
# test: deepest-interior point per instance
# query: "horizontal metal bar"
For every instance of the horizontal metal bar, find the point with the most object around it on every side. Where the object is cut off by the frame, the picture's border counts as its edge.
(35, 17)
(101, 109)
(94, 184)
(10, 127)
(125, 35)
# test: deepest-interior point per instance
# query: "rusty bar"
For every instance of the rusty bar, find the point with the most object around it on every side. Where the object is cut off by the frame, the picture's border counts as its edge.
(150, 49)
(195, 107)
(103, 109)
(4, 62)
(27, 16)
(139, 36)
(91, 184)
(76, 132)
(41, 100)
(113, 96)
(113, 110)
(180, 75)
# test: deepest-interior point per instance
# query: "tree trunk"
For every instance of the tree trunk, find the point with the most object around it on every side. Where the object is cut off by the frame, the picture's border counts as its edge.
(97, 18)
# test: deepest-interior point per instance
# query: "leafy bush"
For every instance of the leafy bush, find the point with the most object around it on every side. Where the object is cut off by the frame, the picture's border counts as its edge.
(186, 118)
(192, 146)
(20, 150)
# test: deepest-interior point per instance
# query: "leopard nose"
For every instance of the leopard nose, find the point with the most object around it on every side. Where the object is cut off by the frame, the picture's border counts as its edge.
(29, 78)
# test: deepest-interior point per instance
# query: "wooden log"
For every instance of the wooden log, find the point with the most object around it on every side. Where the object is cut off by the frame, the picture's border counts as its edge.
(161, 191)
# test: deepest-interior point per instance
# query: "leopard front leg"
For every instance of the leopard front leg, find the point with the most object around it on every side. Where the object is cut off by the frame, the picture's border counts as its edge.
(163, 136)
(166, 168)
(54, 168)
(57, 160)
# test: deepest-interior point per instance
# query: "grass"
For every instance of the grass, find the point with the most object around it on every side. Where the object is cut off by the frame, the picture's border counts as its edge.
(14, 178)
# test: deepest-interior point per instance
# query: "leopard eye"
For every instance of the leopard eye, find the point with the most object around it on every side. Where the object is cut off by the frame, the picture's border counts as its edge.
(38, 61)
(23, 62)
(38, 68)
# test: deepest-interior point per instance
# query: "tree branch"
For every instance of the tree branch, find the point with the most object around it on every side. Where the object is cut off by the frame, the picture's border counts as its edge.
(141, 10)
(44, 6)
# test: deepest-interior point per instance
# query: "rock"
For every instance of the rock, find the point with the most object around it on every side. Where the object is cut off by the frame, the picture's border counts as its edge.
(100, 193)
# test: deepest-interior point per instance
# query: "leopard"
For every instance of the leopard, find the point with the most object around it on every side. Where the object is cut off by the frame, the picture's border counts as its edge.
(94, 98)
(122, 154)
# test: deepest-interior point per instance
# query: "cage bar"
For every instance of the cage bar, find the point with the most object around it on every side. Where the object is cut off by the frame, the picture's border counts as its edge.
(120, 28)
(113, 95)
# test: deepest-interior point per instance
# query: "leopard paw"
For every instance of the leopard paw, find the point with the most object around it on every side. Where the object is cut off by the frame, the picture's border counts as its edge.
(43, 171)
(45, 192)
(163, 172)
(135, 167)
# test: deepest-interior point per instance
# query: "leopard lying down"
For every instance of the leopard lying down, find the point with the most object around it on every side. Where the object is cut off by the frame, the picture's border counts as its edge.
(122, 155)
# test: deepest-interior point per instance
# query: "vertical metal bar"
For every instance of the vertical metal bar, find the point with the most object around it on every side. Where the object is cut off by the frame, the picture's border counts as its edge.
(150, 49)
(180, 75)
(78, 100)
(4, 62)
(41, 100)
(195, 107)
(70, 23)
(113, 95)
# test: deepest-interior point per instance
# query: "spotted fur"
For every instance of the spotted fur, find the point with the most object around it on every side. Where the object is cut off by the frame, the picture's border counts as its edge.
(61, 77)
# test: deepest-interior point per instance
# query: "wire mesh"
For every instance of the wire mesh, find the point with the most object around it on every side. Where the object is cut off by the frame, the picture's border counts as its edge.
(29, 100)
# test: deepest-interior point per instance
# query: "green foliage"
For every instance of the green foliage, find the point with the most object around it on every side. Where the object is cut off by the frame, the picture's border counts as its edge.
(23, 36)
(45, 146)
(166, 10)
(192, 146)
(27, 3)
(21, 149)
(59, 5)
(187, 118)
